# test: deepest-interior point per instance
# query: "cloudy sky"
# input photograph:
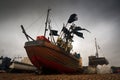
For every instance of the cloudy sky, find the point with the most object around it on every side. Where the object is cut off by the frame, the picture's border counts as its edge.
(101, 17)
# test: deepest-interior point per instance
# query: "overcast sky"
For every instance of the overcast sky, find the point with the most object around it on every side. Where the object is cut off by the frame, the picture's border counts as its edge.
(101, 17)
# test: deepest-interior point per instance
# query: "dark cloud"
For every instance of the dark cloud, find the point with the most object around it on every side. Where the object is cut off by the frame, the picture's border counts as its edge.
(102, 17)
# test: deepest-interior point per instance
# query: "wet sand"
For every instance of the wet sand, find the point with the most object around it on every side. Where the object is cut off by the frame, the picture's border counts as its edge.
(32, 76)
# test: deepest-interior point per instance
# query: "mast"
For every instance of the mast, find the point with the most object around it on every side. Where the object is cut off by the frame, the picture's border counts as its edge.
(46, 23)
(96, 48)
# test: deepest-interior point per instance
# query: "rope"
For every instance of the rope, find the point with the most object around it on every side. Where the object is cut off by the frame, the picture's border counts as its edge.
(32, 23)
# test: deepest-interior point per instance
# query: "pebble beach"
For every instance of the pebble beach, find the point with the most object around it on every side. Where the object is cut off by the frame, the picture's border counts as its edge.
(32, 76)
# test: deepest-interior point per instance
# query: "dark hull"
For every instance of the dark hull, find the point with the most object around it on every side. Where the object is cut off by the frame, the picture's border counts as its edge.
(50, 56)
(94, 61)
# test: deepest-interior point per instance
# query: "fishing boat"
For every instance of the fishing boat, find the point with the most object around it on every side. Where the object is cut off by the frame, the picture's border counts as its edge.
(96, 59)
(4, 64)
(55, 56)
(17, 66)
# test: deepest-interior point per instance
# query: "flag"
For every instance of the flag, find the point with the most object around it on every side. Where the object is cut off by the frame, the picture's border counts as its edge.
(54, 32)
(79, 28)
(79, 34)
(72, 18)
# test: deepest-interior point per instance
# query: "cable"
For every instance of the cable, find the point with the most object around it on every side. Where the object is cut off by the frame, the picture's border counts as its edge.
(33, 23)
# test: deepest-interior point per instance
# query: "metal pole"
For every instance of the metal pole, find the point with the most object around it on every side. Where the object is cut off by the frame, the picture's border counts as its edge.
(46, 23)
(96, 48)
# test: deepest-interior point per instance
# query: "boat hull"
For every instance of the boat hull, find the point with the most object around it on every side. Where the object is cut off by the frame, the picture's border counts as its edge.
(21, 67)
(50, 56)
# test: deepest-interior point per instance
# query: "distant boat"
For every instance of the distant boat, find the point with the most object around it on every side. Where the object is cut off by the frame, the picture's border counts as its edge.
(4, 63)
(17, 66)
(8, 65)
(55, 56)
(96, 60)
